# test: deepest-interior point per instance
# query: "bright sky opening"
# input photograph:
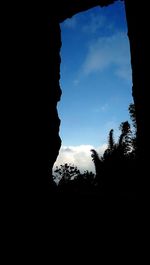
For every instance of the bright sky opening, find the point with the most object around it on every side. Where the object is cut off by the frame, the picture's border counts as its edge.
(96, 82)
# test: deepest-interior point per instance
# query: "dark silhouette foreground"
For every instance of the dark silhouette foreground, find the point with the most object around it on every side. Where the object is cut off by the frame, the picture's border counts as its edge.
(116, 169)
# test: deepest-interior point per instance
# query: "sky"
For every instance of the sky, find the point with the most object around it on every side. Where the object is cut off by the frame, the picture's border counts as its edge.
(95, 81)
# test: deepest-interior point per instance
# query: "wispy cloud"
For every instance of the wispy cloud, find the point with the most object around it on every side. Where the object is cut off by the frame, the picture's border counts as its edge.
(109, 51)
(80, 156)
(70, 23)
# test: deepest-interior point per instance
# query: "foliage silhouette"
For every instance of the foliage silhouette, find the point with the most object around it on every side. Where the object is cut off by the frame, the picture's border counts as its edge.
(116, 167)
(132, 113)
(111, 141)
(134, 130)
(66, 172)
(70, 178)
(96, 160)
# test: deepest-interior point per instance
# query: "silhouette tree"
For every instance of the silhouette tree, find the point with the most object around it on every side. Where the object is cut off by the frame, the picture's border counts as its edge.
(96, 160)
(123, 147)
(134, 130)
(125, 139)
(70, 179)
(114, 167)
(111, 142)
(132, 113)
(111, 146)
(66, 172)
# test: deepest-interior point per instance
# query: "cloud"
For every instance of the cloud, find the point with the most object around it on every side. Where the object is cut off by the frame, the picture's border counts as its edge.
(101, 149)
(109, 51)
(80, 156)
(70, 23)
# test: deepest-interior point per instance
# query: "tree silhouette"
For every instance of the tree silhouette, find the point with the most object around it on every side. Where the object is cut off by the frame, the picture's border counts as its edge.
(125, 139)
(96, 160)
(115, 168)
(111, 146)
(121, 149)
(134, 130)
(132, 113)
(66, 172)
(98, 164)
(70, 179)
(111, 142)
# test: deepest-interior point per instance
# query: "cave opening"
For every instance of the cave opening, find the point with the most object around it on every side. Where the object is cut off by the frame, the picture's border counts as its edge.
(95, 80)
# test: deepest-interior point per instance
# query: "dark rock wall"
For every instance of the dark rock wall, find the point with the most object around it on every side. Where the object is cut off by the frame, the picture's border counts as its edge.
(54, 91)
(137, 32)
(69, 8)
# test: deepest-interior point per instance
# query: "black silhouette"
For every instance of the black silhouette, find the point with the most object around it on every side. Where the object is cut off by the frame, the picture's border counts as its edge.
(71, 181)
(31, 88)
(115, 170)
(33, 50)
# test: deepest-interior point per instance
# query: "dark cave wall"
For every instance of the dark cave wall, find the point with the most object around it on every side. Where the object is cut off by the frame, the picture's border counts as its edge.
(69, 8)
(137, 40)
(137, 33)
(54, 91)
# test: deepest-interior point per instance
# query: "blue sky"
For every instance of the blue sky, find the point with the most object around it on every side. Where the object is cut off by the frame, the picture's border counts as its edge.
(95, 80)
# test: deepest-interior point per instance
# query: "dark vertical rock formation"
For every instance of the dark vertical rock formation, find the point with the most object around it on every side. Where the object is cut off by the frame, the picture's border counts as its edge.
(136, 21)
(69, 8)
(54, 91)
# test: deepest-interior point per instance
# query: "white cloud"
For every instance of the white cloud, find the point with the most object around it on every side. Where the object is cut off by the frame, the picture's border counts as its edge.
(101, 149)
(80, 156)
(109, 51)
